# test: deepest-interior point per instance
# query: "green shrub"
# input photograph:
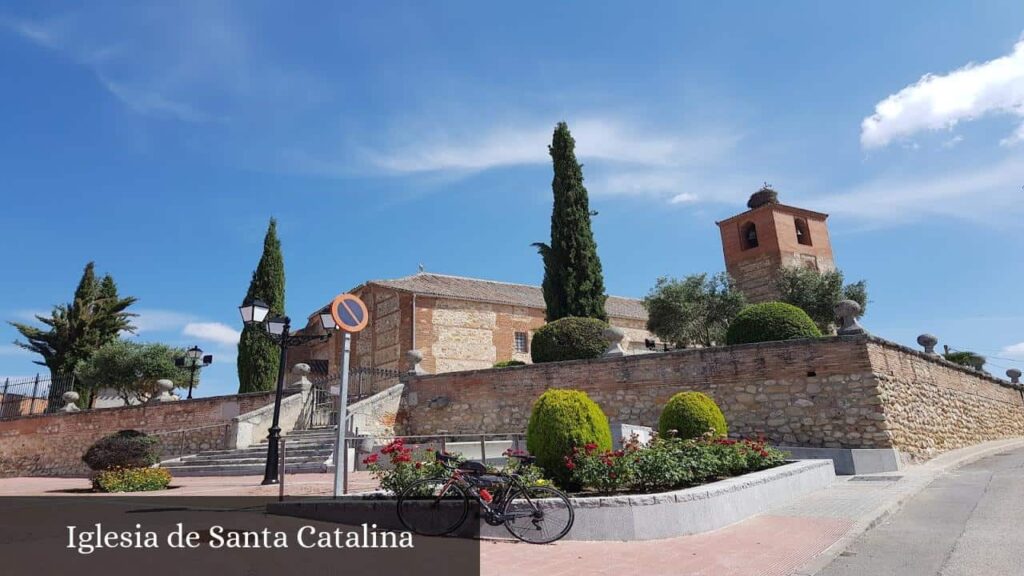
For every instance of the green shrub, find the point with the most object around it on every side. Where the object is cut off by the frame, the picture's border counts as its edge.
(966, 358)
(507, 363)
(691, 415)
(770, 321)
(131, 480)
(668, 463)
(560, 421)
(568, 339)
(124, 449)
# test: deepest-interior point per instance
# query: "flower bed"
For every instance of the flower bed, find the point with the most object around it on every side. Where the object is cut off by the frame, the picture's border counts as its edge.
(667, 464)
(661, 465)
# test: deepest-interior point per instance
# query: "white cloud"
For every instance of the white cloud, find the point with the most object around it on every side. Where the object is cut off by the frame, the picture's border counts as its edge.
(986, 194)
(1015, 351)
(938, 102)
(683, 198)
(212, 332)
(952, 142)
(518, 144)
(153, 320)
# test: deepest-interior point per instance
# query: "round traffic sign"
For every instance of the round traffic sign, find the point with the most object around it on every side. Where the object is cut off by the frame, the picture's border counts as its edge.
(349, 312)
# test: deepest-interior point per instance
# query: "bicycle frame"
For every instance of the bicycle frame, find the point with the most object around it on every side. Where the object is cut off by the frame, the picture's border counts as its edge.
(458, 477)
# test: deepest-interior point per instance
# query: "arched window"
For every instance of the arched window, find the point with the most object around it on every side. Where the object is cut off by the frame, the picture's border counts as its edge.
(803, 233)
(748, 236)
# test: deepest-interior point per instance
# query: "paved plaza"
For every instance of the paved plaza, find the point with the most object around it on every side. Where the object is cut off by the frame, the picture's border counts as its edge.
(800, 538)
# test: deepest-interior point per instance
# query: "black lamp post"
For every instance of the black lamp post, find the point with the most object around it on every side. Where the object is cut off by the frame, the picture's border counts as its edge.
(278, 329)
(193, 360)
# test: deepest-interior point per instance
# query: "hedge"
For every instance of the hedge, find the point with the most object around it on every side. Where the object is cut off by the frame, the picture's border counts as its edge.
(560, 421)
(770, 321)
(691, 415)
(569, 339)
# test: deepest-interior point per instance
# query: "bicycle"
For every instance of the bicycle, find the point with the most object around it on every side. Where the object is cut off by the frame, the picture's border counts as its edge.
(439, 506)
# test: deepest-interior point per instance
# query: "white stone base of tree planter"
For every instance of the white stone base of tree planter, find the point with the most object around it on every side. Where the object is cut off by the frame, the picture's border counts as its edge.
(633, 517)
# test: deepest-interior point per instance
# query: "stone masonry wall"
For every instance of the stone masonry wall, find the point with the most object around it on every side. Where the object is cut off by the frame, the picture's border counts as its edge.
(932, 405)
(53, 444)
(837, 392)
(809, 392)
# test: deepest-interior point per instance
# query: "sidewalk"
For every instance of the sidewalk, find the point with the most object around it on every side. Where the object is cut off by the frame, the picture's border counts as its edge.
(798, 539)
(295, 485)
(795, 539)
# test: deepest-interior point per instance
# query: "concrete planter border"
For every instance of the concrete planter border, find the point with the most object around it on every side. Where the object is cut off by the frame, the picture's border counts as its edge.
(630, 517)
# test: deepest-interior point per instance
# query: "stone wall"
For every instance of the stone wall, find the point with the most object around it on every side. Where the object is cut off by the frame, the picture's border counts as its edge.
(53, 444)
(838, 392)
(932, 405)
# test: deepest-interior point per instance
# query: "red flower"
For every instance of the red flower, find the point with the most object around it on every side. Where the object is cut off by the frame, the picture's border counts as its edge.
(590, 447)
(371, 459)
(569, 463)
(618, 453)
(403, 457)
(419, 465)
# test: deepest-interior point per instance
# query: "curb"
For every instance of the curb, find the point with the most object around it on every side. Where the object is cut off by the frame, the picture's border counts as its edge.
(893, 504)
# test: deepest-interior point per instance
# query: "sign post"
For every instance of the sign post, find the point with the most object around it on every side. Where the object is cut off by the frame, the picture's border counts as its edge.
(351, 316)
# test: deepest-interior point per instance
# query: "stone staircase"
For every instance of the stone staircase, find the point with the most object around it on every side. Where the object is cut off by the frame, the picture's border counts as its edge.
(305, 451)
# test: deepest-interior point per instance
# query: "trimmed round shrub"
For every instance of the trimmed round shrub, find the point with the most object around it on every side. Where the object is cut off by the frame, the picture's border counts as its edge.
(569, 339)
(131, 480)
(560, 421)
(124, 449)
(691, 415)
(508, 363)
(770, 321)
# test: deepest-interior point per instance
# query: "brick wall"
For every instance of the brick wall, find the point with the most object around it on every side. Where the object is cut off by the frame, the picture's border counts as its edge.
(53, 444)
(839, 392)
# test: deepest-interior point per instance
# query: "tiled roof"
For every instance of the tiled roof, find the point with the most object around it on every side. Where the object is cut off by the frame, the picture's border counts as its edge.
(461, 288)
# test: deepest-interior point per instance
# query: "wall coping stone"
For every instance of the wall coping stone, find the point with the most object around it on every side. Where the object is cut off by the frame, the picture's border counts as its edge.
(180, 402)
(852, 339)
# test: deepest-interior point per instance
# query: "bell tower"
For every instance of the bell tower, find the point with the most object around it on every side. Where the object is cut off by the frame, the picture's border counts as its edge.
(769, 236)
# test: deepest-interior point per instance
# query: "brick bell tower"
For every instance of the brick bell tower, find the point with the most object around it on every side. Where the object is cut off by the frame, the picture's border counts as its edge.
(768, 236)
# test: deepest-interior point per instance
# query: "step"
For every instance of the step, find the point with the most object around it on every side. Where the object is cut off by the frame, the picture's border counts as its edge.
(249, 453)
(261, 454)
(234, 461)
(257, 448)
(240, 469)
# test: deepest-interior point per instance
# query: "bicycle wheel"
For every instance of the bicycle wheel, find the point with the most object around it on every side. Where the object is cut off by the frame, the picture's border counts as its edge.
(538, 514)
(432, 507)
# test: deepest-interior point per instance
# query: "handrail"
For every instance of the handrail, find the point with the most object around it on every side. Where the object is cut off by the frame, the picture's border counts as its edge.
(179, 430)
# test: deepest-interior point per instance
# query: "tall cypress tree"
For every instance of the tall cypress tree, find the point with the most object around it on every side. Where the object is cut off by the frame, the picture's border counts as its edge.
(573, 284)
(258, 356)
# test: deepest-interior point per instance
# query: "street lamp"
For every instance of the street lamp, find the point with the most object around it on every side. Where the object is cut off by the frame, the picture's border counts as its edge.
(278, 329)
(193, 360)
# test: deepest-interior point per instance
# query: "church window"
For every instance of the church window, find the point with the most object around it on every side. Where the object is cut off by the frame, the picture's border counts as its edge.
(803, 233)
(748, 236)
(522, 342)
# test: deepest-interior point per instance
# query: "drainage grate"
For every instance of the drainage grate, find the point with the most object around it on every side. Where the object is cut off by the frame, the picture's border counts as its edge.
(875, 478)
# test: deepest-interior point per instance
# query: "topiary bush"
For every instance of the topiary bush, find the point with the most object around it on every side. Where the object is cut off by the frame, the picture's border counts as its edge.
(691, 415)
(770, 321)
(131, 480)
(569, 339)
(507, 363)
(560, 421)
(124, 449)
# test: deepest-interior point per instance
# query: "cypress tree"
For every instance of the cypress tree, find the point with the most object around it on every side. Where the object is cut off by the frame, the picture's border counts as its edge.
(258, 356)
(573, 283)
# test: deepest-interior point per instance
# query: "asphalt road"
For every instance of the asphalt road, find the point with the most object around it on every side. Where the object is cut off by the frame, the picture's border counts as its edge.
(968, 522)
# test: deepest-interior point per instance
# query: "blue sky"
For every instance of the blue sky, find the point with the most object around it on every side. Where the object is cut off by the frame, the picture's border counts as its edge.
(157, 140)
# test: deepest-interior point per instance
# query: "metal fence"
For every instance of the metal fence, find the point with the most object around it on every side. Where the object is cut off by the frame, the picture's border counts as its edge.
(21, 397)
(322, 409)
